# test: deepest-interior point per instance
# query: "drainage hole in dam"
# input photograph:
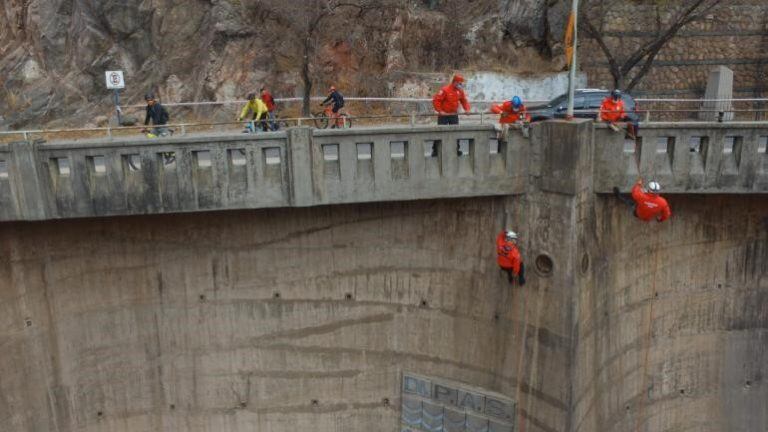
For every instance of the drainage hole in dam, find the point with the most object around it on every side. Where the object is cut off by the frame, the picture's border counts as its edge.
(28, 322)
(243, 404)
(748, 384)
(544, 264)
(385, 401)
(423, 303)
(348, 296)
(496, 317)
(626, 407)
(315, 402)
(202, 297)
(173, 407)
(682, 391)
(584, 264)
(99, 414)
(276, 295)
(656, 294)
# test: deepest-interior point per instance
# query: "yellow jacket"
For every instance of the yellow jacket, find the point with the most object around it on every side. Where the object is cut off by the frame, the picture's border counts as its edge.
(257, 106)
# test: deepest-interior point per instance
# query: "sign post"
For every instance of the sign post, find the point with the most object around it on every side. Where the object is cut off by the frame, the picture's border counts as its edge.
(116, 82)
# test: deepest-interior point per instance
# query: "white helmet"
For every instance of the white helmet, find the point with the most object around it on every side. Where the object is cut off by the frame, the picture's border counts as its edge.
(654, 187)
(511, 235)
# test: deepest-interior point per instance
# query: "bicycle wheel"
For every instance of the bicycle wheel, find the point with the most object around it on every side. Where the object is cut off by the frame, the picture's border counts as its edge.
(346, 121)
(321, 120)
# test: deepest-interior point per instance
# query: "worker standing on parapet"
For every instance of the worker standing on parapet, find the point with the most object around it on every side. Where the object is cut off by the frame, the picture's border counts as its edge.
(259, 110)
(508, 256)
(647, 205)
(612, 112)
(512, 111)
(446, 102)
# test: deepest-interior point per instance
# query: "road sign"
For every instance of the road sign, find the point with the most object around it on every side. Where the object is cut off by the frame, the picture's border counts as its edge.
(115, 80)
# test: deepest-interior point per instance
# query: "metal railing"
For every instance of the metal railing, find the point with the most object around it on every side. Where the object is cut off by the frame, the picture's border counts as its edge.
(363, 106)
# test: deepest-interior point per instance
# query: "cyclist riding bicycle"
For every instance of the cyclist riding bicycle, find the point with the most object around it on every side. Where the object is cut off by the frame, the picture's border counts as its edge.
(338, 104)
(269, 101)
(259, 110)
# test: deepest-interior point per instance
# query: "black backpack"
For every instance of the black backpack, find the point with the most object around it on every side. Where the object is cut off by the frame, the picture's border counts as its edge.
(164, 116)
(341, 99)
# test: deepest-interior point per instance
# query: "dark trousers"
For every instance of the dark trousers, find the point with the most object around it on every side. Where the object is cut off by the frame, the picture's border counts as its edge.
(520, 277)
(261, 121)
(448, 119)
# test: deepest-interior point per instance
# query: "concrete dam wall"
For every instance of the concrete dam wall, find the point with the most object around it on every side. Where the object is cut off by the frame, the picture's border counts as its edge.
(383, 316)
(305, 319)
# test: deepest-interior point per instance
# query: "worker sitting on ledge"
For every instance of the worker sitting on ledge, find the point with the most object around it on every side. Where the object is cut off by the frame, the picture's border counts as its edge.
(512, 111)
(647, 205)
(508, 256)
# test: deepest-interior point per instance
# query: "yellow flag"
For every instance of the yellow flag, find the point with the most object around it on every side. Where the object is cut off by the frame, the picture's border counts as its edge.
(569, 40)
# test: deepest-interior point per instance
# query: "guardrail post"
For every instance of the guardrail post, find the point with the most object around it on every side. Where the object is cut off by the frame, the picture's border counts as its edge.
(183, 129)
(413, 118)
(299, 159)
(26, 137)
(482, 117)
(109, 132)
(31, 200)
(648, 116)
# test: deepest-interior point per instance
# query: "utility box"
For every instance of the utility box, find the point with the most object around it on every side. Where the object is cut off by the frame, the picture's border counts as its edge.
(719, 86)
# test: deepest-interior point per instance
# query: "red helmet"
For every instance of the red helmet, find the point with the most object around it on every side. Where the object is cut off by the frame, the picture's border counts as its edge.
(458, 78)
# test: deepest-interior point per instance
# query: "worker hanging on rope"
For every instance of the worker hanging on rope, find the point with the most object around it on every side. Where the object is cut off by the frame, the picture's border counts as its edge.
(512, 112)
(508, 256)
(612, 112)
(646, 204)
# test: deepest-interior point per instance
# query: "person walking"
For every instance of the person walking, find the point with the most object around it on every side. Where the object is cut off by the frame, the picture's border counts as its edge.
(158, 115)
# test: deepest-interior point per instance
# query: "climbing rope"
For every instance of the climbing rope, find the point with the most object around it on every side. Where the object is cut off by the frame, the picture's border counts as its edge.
(649, 333)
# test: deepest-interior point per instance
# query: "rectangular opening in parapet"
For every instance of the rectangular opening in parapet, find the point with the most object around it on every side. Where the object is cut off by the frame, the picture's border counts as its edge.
(166, 159)
(133, 162)
(397, 149)
(3, 169)
(431, 148)
(330, 152)
(762, 145)
(97, 164)
(202, 158)
(732, 147)
(364, 151)
(62, 166)
(272, 156)
(665, 144)
(464, 147)
(494, 146)
(237, 157)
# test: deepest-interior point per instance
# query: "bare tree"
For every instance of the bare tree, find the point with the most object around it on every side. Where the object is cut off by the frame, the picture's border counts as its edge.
(629, 68)
(304, 20)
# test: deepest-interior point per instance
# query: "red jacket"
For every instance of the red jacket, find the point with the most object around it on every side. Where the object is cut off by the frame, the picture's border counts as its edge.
(508, 254)
(268, 100)
(509, 114)
(650, 206)
(448, 99)
(612, 111)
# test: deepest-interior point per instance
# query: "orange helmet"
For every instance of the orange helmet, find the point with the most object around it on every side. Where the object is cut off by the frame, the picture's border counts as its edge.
(332, 89)
(458, 78)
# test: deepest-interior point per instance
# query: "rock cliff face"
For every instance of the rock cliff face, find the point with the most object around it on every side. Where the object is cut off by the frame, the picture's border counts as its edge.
(53, 53)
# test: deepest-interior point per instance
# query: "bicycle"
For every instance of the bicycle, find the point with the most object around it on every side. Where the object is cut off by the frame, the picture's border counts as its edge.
(274, 124)
(324, 119)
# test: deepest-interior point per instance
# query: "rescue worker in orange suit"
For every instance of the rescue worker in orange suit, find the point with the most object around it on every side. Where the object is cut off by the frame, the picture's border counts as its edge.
(508, 256)
(512, 111)
(612, 112)
(647, 205)
(446, 102)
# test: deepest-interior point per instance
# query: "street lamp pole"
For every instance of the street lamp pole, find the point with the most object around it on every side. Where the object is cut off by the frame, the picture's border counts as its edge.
(572, 75)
